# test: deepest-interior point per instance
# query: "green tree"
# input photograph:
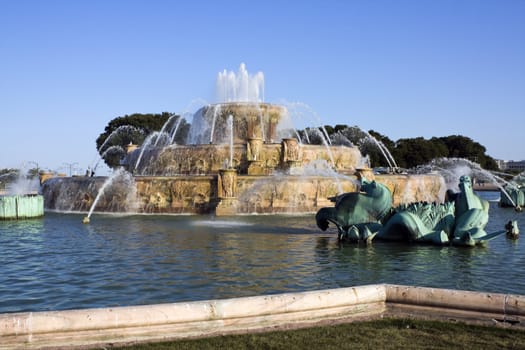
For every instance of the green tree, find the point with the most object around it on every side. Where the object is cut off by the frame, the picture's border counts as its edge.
(340, 127)
(407, 152)
(416, 151)
(464, 147)
(7, 176)
(33, 172)
(134, 128)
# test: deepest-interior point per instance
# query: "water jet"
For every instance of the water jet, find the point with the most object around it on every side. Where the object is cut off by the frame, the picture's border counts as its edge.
(238, 149)
(21, 199)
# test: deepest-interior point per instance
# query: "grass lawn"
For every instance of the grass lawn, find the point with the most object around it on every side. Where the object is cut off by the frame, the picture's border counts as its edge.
(379, 334)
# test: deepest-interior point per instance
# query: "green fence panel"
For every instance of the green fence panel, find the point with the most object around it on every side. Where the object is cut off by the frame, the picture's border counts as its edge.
(8, 207)
(30, 206)
(21, 207)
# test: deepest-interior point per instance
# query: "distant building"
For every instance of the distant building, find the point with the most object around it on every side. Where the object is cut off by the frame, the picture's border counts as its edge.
(512, 165)
(501, 163)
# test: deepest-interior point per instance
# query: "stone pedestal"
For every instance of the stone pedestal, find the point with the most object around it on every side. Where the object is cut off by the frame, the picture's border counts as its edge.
(227, 207)
(256, 167)
(290, 150)
(294, 167)
(253, 155)
(227, 192)
(291, 156)
(272, 127)
(227, 183)
(255, 125)
(253, 148)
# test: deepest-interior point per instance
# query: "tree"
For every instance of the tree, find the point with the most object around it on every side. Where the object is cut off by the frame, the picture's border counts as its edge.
(33, 172)
(416, 151)
(134, 128)
(464, 147)
(371, 143)
(407, 152)
(7, 176)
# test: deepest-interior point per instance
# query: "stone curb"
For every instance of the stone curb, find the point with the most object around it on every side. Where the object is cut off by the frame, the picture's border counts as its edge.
(86, 328)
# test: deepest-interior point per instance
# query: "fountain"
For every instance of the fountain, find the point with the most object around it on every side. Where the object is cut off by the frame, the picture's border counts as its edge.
(242, 156)
(123, 132)
(123, 181)
(21, 199)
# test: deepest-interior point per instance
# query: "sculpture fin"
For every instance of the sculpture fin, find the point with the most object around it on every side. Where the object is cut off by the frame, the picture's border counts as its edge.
(369, 235)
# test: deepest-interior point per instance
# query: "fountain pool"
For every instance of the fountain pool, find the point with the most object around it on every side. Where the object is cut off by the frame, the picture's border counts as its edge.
(57, 263)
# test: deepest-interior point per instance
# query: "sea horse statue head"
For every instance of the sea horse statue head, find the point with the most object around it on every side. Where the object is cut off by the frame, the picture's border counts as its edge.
(363, 208)
(467, 198)
(472, 215)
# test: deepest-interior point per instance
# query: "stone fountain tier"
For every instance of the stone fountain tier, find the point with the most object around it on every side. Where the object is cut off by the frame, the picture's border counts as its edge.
(77, 194)
(257, 168)
(250, 120)
(253, 157)
(228, 193)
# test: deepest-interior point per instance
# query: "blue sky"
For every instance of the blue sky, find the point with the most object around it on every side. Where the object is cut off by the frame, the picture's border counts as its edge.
(402, 68)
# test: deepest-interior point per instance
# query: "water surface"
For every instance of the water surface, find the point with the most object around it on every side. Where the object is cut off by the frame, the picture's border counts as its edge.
(57, 263)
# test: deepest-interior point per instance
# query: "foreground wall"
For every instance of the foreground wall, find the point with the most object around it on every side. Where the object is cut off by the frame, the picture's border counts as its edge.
(91, 327)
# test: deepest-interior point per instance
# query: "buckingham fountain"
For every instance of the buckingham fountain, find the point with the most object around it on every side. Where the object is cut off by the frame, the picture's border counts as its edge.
(146, 278)
(243, 156)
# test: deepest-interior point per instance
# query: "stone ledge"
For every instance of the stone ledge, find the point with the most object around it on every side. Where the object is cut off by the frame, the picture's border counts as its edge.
(490, 309)
(95, 327)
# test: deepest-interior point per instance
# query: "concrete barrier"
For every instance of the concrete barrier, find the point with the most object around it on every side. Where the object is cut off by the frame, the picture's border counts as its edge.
(180, 320)
(450, 304)
(96, 327)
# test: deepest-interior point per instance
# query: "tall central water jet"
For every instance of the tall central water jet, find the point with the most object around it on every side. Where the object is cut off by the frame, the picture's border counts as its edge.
(240, 87)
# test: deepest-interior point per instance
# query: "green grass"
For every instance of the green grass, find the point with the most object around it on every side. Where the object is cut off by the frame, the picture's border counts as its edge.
(379, 334)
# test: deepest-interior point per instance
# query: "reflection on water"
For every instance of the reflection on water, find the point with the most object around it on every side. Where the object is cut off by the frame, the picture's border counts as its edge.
(59, 263)
(491, 196)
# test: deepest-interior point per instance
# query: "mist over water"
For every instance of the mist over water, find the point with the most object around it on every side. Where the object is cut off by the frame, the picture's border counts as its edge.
(19, 183)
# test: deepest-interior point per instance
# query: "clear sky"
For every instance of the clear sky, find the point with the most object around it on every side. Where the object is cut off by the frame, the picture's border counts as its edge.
(402, 68)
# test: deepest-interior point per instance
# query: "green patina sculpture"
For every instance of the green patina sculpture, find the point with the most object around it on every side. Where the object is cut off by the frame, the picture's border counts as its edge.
(515, 189)
(512, 229)
(472, 215)
(420, 222)
(358, 215)
(361, 216)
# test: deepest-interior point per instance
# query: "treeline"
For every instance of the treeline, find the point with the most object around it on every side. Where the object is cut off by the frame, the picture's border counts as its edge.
(407, 152)
(133, 128)
(411, 152)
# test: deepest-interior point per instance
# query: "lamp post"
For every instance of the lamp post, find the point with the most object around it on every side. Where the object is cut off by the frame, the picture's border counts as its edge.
(70, 166)
(36, 167)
